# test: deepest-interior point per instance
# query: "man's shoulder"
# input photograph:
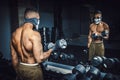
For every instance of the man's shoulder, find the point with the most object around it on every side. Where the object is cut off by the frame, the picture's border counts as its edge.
(18, 29)
(35, 34)
(105, 24)
(92, 24)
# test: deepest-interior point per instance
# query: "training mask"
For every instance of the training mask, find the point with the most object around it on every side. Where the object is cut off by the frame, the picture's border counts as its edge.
(34, 21)
(97, 20)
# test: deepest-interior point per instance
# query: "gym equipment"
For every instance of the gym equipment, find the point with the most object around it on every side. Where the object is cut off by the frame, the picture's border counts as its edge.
(44, 31)
(57, 67)
(62, 43)
(85, 51)
(69, 76)
(54, 55)
(112, 65)
(97, 61)
(108, 76)
(93, 74)
(64, 56)
(59, 44)
(77, 72)
(71, 57)
(104, 33)
(111, 62)
(95, 36)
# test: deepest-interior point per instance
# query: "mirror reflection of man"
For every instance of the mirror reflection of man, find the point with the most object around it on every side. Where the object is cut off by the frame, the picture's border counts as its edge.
(98, 31)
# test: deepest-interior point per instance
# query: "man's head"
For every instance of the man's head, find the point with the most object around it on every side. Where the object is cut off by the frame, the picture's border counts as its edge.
(97, 17)
(32, 15)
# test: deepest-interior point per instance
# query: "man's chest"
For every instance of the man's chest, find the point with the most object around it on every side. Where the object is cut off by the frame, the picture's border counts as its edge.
(97, 28)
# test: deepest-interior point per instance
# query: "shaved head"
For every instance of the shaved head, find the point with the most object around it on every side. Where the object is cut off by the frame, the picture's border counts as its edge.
(31, 13)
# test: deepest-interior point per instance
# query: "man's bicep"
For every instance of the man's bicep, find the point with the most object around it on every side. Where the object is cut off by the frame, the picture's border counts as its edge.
(107, 31)
(37, 48)
(107, 27)
(89, 34)
(90, 30)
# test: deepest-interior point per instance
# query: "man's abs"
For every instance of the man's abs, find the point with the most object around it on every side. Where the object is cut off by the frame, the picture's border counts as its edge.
(97, 41)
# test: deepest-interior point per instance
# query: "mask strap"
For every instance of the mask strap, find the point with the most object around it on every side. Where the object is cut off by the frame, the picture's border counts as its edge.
(34, 21)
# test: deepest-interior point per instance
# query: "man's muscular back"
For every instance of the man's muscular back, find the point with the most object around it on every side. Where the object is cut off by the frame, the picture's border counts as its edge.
(22, 43)
(16, 46)
(28, 37)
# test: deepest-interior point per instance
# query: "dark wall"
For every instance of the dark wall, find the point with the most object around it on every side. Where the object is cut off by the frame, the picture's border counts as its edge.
(76, 19)
(5, 30)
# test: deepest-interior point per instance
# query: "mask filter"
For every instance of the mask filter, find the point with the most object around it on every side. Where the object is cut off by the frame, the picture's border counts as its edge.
(97, 20)
(37, 26)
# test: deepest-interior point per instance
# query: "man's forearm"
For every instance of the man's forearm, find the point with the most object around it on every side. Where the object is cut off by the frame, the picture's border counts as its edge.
(15, 63)
(46, 54)
(89, 42)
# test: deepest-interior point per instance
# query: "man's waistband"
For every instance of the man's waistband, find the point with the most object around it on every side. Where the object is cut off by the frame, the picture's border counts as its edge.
(97, 42)
(27, 64)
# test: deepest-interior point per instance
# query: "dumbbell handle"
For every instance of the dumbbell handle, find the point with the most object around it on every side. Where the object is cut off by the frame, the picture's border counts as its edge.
(51, 46)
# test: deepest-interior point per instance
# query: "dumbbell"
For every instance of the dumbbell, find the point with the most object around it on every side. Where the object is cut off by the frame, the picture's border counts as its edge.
(108, 76)
(59, 44)
(111, 62)
(77, 72)
(69, 76)
(97, 61)
(85, 51)
(71, 57)
(104, 33)
(92, 74)
(55, 55)
(95, 36)
(112, 65)
(64, 56)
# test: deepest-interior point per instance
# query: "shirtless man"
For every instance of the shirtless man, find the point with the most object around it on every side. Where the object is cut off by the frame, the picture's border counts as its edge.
(26, 48)
(98, 31)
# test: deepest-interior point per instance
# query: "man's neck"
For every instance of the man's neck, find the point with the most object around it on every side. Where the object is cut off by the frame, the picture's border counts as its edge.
(28, 25)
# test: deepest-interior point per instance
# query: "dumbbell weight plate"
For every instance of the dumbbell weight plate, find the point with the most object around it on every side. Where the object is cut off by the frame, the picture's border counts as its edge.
(62, 43)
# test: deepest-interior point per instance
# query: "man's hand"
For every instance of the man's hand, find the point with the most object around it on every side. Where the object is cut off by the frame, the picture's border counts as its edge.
(95, 36)
(105, 34)
(59, 44)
